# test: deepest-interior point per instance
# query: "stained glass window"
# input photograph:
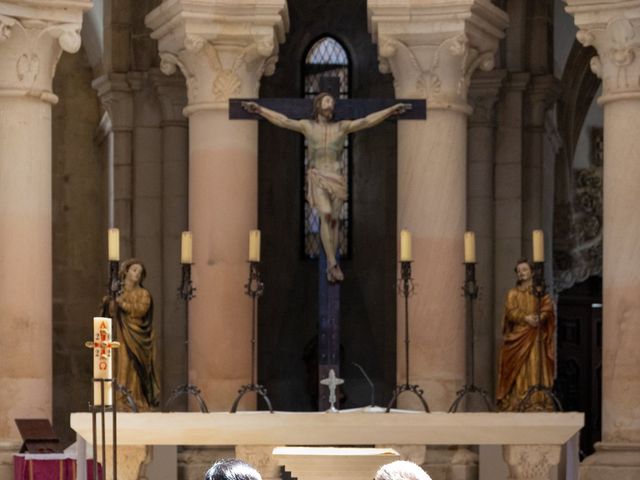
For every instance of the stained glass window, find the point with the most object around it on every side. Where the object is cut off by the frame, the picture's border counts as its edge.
(326, 68)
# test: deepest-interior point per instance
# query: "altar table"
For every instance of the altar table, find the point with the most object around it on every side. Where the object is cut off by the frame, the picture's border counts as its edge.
(526, 436)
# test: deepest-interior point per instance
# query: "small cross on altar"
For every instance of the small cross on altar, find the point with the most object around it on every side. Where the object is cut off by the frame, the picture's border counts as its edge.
(332, 382)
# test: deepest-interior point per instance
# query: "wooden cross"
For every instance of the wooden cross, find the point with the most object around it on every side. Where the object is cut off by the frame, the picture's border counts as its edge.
(329, 292)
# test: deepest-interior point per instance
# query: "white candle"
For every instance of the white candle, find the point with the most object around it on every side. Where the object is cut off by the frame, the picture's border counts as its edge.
(469, 247)
(186, 248)
(405, 246)
(538, 246)
(114, 245)
(254, 245)
(102, 359)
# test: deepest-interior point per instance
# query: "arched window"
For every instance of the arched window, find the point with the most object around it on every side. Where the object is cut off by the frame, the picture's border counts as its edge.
(326, 68)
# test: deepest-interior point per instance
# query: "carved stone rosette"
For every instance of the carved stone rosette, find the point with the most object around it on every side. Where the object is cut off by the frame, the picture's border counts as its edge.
(430, 58)
(32, 39)
(531, 462)
(222, 52)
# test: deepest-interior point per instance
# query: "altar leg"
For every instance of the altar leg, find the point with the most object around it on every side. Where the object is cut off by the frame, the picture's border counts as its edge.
(531, 462)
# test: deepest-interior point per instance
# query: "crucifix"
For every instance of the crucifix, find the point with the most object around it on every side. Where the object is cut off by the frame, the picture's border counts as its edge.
(332, 382)
(326, 122)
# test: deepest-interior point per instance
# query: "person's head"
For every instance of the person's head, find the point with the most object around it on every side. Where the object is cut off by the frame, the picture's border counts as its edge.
(401, 470)
(323, 104)
(523, 270)
(133, 270)
(231, 469)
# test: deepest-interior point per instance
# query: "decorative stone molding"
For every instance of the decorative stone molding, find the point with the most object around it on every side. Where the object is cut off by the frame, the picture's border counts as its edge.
(172, 94)
(542, 92)
(531, 462)
(430, 58)
(222, 49)
(614, 30)
(612, 461)
(115, 93)
(32, 39)
(484, 92)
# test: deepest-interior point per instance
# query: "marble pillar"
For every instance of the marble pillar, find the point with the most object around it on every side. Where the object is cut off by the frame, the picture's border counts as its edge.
(613, 29)
(484, 92)
(434, 60)
(32, 38)
(223, 50)
(172, 94)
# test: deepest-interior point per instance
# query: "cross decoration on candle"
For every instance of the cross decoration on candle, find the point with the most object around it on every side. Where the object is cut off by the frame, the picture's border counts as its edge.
(103, 346)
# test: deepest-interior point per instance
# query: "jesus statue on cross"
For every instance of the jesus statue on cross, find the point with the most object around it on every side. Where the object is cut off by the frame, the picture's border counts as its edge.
(326, 184)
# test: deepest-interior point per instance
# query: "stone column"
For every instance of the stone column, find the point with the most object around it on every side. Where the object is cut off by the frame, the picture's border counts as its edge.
(434, 60)
(531, 462)
(32, 39)
(223, 50)
(613, 29)
(116, 97)
(483, 94)
(540, 96)
(172, 94)
(507, 195)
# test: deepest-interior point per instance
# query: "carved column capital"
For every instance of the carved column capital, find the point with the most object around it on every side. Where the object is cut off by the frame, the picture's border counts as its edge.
(32, 39)
(222, 48)
(484, 92)
(542, 92)
(430, 58)
(531, 462)
(614, 30)
(172, 94)
(114, 91)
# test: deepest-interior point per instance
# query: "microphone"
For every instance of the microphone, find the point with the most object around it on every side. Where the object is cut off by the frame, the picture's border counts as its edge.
(373, 388)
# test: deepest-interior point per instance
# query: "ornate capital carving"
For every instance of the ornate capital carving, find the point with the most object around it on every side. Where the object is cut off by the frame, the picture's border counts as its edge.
(33, 36)
(430, 61)
(531, 462)
(222, 53)
(614, 31)
(484, 92)
(172, 94)
(116, 97)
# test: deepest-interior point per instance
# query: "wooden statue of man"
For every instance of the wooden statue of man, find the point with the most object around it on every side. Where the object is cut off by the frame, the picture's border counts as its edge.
(326, 184)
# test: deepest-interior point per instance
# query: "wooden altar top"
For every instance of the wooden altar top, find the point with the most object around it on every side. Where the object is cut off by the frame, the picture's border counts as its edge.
(344, 428)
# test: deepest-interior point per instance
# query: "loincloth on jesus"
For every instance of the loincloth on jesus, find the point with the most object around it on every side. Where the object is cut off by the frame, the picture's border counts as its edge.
(332, 183)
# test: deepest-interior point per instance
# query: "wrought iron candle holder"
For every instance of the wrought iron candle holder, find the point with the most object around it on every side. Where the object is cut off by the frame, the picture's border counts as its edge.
(471, 290)
(406, 288)
(187, 292)
(539, 291)
(254, 288)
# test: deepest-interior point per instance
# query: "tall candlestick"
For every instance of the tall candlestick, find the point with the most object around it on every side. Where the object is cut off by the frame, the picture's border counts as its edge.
(405, 246)
(254, 245)
(538, 246)
(186, 248)
(114, 245)
(469, 247)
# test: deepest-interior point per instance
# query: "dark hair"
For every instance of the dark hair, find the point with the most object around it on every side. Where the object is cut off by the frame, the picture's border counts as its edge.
(317, 101)
(231, 469)
(520, 261)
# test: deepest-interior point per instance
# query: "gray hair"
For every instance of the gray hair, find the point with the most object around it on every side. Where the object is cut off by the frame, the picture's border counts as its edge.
(401, 470)
(231, 469)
